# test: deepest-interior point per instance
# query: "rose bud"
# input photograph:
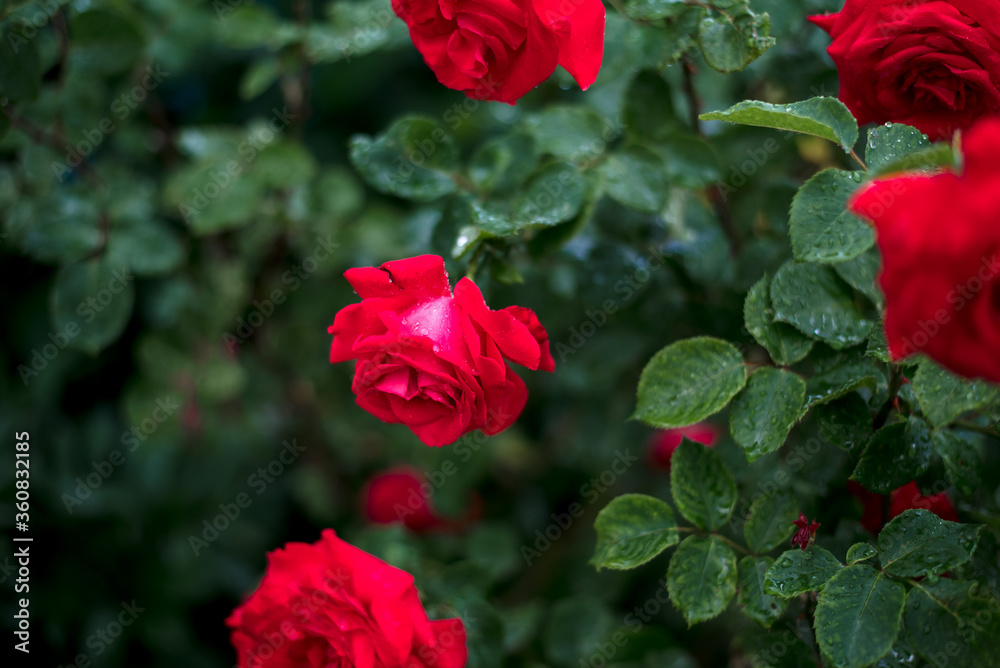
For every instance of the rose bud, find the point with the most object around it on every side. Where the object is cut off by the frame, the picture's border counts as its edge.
(434, 361)
(330, 604)
(404, 495)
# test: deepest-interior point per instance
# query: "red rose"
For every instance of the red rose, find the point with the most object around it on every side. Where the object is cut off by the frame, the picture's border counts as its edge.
(431, 360)
(501, 49)
(940, 242)
(404, 495)
(932, 64)
(900, 499)
(663, 443)
(909, 496)
(873, 517)
(331, 604)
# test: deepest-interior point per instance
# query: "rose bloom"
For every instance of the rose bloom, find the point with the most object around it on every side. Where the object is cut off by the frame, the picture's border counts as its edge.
(331, 604)
(404, 495)
(434, 361)
(932, 64)
(900, 499)
(501, 49)
(940, 241)
(663, 443)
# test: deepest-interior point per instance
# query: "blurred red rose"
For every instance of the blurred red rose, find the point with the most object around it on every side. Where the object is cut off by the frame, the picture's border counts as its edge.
(940, 245)
(404, 495)
(331, 604)
(908, 496)
(433, 361)
(501, 49)
(902, 498)
(932, 64)
(663, 443)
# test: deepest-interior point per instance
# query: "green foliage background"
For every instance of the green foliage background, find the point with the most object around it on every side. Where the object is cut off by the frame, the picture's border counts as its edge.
(622, 220)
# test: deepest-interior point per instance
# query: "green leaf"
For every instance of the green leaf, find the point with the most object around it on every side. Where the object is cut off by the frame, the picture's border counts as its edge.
(649, 108)
(766, 410)
(569, 132)
(635, 177)
(894, 456)
(259, 77)
(576, 628)
(962, 459)
(93, 298)
(858, 615)
(953, 623)
(62, 227)
(504, 162)
(654, 9)
(20, 67)
(554, 194)
(841, 380)
(895, 147)
(770, 522)
(702, 577)
(944, 397)
(104, 42)
(821, 228)
(148, 248)
(785, 344)
(702, 486)
(824, 117)
(847, 422)
(799, 571)
(688, 381)
(730, 43)
(918, 543)
(631, 530)
(757, 604)
(860, 274)
(815, 301)
(413, 159)
(860, 552)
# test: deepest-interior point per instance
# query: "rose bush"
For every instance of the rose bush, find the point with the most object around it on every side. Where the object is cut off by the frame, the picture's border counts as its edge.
(329, 603)
(501, 49)
(940, 249)
(432, 360)
(932, 64)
